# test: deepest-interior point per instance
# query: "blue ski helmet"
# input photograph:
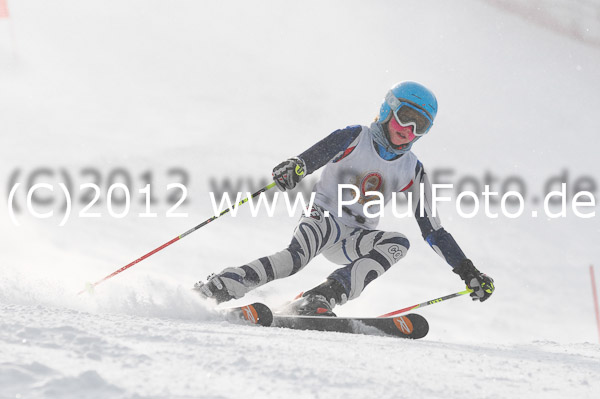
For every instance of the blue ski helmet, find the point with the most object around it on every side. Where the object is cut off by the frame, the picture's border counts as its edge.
(411, 96)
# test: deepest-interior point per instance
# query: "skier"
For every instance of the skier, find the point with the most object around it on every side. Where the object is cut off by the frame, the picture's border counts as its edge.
(372, 158)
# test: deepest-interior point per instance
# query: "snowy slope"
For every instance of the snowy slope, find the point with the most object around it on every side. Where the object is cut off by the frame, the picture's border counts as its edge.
(229, 90)
(57, 353)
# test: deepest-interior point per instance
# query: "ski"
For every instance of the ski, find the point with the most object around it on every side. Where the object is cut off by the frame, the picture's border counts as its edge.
(412, 325)
(255, 313)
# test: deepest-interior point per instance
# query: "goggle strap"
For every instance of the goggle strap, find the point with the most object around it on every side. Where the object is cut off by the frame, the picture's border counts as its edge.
(392, 101)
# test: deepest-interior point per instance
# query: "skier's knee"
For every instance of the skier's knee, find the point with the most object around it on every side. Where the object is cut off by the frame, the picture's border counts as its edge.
(393, 246)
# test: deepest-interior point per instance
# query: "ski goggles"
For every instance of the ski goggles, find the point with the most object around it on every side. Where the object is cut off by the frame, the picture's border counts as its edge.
(408, 114)
(398, 126)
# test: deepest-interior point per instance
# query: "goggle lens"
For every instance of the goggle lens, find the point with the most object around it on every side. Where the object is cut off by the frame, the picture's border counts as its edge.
(407, 114)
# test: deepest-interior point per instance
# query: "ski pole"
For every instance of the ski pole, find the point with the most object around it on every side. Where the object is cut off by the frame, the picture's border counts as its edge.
(431, 302)
(595, 296)
(91, 286)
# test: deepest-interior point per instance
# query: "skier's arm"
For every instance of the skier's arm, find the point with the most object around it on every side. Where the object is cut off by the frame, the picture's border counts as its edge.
(325, 150)
(436, 236)
(289, 173)
(442, 242)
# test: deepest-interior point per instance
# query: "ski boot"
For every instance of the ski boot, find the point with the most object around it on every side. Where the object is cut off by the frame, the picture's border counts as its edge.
(228, 284)
(213, 288)
(318, 301)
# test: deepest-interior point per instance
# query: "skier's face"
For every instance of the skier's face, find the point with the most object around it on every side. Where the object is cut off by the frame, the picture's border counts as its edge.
(399, 134)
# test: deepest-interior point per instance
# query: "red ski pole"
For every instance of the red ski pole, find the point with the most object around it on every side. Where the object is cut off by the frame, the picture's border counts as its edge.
(431, 302)
(595, 295)
(90, 286)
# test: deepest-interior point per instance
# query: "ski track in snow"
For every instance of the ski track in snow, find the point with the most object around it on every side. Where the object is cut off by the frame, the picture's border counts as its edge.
(61, 353)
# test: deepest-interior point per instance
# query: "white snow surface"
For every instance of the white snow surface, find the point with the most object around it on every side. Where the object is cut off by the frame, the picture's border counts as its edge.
(58, 353)
(230, 89)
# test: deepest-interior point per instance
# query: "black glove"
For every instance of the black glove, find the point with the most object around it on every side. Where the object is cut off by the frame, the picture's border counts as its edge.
(289, 173)
(481, 284)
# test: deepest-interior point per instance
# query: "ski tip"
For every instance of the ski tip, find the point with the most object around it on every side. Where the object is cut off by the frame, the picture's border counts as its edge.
(258, 313)
(412, 326)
